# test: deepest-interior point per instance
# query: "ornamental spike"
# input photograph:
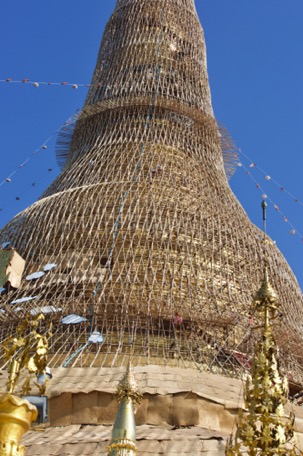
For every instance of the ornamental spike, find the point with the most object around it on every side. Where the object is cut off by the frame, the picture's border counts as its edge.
(128, 387)
(124, 432)
(263, 429)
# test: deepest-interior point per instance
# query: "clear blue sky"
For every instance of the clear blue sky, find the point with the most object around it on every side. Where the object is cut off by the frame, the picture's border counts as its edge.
(255, 51)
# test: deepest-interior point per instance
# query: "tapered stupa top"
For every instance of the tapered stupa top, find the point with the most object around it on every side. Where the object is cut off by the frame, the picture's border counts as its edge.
(185, 4)
(152, 56)
(152, 48)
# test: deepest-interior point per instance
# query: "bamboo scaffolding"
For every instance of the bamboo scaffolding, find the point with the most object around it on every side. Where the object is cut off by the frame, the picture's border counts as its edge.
(141, 222)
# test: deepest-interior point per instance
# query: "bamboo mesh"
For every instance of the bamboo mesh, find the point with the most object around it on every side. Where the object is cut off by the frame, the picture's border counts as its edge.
(150, 243)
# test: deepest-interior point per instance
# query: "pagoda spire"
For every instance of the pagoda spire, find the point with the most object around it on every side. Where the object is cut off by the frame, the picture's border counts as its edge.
(264, 431)
(164, 35)
(124, 432)
(156, 61)
(141, 224)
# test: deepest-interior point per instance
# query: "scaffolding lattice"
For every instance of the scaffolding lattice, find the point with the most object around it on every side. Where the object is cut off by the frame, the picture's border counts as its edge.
(150, 244)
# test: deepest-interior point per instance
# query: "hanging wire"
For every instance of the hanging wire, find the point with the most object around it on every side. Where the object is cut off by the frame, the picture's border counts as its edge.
(268, 177)
(72, 119)
(294, 230)
(43, 147)
(37, 84)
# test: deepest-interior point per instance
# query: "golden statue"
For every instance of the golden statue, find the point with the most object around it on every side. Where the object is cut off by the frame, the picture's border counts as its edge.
(26, 350)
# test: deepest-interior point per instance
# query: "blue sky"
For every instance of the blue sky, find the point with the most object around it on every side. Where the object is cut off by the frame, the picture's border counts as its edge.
(255, 51)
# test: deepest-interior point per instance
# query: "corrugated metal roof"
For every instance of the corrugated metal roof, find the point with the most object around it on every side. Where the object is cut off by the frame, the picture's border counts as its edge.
(171, 386)
(93, 440)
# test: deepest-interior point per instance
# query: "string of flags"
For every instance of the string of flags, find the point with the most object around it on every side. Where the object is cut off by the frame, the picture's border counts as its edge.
(41, 148)
(267, 177)
(37, 84)
(18, 197)
(248, 169)
(9, 180)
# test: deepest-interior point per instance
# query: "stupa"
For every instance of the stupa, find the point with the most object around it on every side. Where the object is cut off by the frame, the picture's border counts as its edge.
(139, 248)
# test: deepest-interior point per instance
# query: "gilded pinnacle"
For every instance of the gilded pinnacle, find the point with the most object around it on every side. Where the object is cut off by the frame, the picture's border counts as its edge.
(128, 387)
(124, 430)
(266, 296)
(263, 430)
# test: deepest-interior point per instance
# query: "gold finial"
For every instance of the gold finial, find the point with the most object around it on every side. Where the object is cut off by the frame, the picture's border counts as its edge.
(266, 300)
(124, 431)
(128, 387)
(266, 292)
(263, 430)
(16, 416)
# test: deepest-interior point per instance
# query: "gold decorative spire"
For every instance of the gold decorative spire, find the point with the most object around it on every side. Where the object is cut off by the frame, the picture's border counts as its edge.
(25, 350)
(264, 430)
(128, 387)
(266, 292)
(124, 432)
